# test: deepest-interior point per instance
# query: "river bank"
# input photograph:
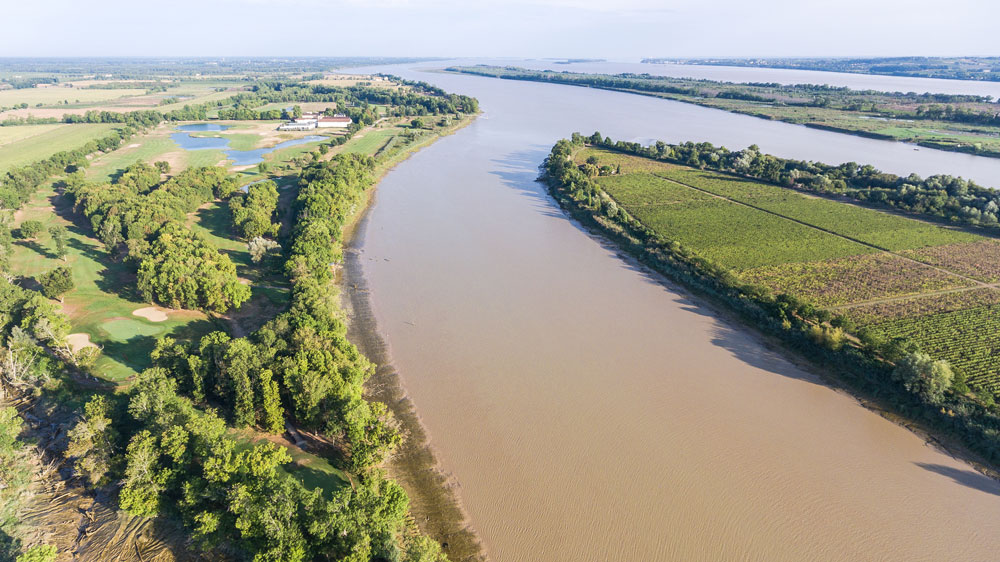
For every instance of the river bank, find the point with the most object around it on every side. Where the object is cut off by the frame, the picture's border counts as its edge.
(434, 501)
(883, 124)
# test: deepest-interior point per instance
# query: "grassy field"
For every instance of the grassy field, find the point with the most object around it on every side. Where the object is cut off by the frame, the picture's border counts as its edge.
(372, 141)
(10, 135)
(897, 276)
(53, 138)
(150, 148)
(60, 94)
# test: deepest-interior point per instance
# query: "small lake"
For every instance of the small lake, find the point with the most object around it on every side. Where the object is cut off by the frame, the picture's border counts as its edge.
(185, 140)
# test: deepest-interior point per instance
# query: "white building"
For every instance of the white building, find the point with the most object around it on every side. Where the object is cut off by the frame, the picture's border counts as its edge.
(310, 121)
(296, 125)
(337, 121)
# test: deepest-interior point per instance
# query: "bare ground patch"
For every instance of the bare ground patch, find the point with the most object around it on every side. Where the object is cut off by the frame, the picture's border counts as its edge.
(79, 341)
(152, 313)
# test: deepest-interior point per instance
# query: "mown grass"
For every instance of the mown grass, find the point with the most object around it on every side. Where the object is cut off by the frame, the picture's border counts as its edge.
(55, 138)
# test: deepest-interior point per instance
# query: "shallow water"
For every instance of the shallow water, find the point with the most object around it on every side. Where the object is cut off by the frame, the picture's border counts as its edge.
(185, 140)
(591, 413)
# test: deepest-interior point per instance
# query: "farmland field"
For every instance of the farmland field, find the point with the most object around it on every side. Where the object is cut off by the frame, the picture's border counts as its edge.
(54, 138)
(59, 94)
(896, 276)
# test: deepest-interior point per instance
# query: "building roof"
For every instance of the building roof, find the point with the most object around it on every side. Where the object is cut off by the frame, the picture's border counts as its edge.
(335, 119)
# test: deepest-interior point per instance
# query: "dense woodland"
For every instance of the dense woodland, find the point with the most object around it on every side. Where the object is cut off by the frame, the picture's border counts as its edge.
(894, 371)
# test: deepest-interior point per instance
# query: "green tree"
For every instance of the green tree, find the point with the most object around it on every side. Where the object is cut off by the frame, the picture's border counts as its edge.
(182, 270)
(6, 246)
(273, 415)
(924, 376)
(417, 123)
(163, 166)
(110, 233)
(57, 282)
(424, 549)
(241, 361)
(91, 442)
(59, 235)
(252, 212)
(30, 229)
(144, 479)
(260, 248)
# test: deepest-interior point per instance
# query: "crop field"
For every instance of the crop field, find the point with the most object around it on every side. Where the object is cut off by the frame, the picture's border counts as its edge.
(854, 279)
(62, 95)
(966, 338)
(10, 135)
(883, 230)
(896, 276)
(894, 309)
(49, 140)
(979, 259)
(727, 233)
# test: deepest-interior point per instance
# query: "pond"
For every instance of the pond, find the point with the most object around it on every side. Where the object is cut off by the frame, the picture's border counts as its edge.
(187, 141)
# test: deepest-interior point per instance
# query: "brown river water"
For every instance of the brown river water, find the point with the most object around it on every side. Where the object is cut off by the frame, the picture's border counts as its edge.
(591, 412)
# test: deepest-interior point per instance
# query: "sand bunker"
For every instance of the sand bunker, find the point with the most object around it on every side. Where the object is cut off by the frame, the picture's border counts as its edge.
(79, 341)
(151, 313)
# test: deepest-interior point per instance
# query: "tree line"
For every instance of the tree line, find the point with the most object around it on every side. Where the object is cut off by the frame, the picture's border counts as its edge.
(887, 104)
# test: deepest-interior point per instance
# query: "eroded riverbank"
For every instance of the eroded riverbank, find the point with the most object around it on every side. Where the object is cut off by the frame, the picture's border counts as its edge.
(433, 494)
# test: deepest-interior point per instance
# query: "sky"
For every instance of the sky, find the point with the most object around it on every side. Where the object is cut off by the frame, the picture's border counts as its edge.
(612, 29)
